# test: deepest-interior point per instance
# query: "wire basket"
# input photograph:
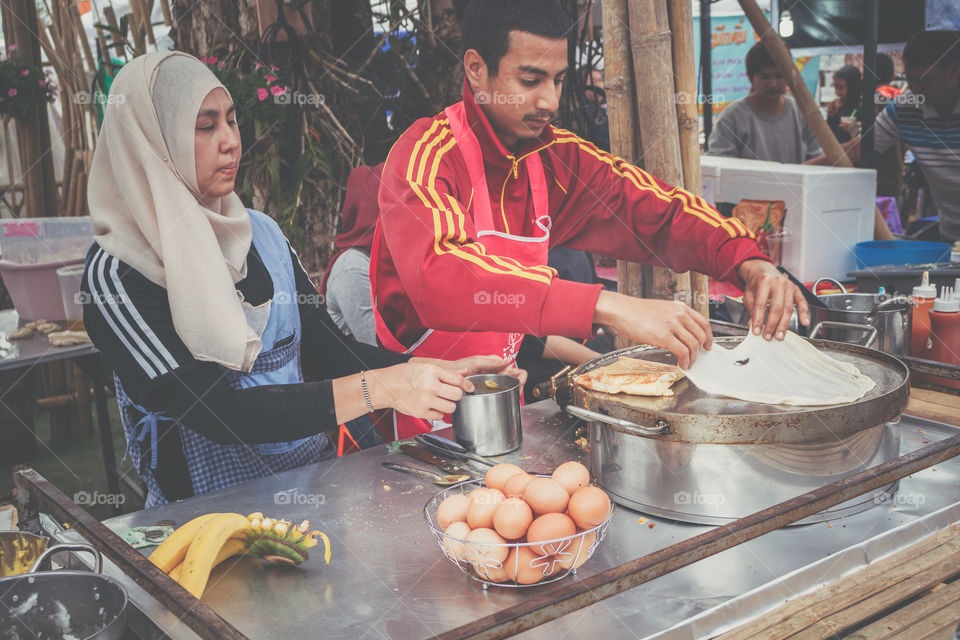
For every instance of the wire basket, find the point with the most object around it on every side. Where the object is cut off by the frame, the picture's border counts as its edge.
(513, 564)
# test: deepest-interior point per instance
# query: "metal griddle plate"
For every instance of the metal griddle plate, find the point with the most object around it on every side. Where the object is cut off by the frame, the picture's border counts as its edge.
(695, 416)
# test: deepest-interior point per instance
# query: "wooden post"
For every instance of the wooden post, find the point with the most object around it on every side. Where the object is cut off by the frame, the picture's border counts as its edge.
(657, 118)
(685, 79)
(621, 109)
(777, 48)
(33, 133)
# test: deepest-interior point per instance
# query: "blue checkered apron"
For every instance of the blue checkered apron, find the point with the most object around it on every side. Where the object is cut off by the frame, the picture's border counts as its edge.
(213, 465)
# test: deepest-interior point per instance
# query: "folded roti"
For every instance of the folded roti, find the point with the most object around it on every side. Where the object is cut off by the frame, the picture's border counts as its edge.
(792, 371)
(632, 376)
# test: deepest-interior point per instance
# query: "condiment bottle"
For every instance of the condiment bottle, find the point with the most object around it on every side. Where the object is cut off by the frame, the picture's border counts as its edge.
(923, 296)
(944, 344)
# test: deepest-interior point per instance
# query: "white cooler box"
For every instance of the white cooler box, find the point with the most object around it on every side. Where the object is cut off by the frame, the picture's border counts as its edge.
(829, 209)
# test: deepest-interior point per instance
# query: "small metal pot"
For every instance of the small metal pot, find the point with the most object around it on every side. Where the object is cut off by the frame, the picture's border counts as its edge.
(862, 318)
(58, 604)
(487, 421)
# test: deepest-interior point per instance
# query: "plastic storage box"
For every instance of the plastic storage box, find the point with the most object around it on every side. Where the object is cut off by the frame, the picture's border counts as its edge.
(829, 209)
(31, 251)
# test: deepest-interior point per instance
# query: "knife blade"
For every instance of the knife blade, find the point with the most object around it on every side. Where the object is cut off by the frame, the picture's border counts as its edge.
(418, 452)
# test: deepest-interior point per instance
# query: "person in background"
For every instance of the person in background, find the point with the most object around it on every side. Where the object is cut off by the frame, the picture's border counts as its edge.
(885, 74)
(842, 112)
(926, 118)
(202, 310)
(345, 284)
(765, 124)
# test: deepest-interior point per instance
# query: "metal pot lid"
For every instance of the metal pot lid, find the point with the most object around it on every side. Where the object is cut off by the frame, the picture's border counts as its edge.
(691, 415)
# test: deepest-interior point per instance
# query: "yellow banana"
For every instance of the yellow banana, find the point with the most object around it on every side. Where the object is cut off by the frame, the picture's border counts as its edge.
(232, 547)
(206, 546)
(173, 550)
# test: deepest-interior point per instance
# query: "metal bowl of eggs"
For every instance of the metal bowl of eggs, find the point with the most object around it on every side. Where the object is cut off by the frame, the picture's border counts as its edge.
(514, 529)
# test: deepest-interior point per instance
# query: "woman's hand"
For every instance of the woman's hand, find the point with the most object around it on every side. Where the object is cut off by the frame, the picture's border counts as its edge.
(417, 388)
(474, 365)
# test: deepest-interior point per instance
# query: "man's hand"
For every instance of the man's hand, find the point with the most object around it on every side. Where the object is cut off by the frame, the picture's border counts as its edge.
(763, 284)
(667, 324)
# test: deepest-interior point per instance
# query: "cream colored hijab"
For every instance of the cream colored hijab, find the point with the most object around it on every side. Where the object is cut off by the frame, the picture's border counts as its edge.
(147, 212)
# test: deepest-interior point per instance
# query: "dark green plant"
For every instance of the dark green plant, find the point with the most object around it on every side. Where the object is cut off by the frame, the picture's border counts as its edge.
(23, 87)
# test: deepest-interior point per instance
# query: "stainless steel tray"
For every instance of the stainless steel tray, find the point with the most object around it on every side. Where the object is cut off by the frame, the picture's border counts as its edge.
(692, 415)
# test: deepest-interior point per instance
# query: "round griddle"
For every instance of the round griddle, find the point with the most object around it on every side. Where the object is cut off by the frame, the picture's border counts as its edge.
(691, 415)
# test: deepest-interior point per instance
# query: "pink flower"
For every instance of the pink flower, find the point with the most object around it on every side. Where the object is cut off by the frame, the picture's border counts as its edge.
(25, 72)
(203, 59)
(275, 67)
(42, 83)
(262, 94)
(212, 59)
(276, 90)
(12, 47)
(257, 65)
(269, 79)
(239, 76)
(12, 92)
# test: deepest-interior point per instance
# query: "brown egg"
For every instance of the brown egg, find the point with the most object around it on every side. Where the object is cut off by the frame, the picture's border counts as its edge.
(491, 572)
(456, 549)
(517, 566)
(482, 506)
(579, 550)
(545, 495)
(516, 484)
(550, 526)
(589, 507)
(485, 546)
(572, 475)
(452, 509)
(498, 475)
(512, 518)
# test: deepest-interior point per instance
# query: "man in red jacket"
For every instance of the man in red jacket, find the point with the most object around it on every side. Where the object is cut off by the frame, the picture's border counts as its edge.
(471, 199)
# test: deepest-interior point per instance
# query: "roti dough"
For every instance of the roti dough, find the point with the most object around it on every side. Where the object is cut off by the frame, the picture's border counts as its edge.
(791, 372)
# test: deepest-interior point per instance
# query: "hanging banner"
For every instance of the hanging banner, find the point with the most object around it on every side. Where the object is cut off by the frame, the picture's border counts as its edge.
(731, 39)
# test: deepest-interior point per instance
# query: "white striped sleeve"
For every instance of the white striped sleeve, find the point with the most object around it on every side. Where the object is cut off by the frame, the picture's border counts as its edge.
(128, 318)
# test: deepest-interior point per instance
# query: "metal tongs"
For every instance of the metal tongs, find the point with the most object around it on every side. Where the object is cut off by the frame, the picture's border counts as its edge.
(450, 448)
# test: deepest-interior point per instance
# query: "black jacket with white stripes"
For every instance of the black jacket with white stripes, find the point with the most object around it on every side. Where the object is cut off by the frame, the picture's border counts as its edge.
(133, 329)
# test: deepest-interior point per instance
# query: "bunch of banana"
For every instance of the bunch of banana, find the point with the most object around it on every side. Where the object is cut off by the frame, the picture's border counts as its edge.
(191, 552)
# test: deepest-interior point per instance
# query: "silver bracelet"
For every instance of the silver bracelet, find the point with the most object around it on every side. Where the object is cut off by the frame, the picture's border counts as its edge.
(366, 393)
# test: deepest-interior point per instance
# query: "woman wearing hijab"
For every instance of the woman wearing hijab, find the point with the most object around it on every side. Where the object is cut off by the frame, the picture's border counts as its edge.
(202, 309)
(846, 84)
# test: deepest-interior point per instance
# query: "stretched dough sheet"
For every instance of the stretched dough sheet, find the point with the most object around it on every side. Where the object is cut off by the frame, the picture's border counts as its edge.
(792, 372)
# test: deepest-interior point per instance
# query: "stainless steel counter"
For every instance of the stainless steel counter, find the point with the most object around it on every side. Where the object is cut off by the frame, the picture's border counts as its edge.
(389, 579)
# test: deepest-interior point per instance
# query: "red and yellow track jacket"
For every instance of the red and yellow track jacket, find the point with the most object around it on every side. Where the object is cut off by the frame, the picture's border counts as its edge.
(432, 268)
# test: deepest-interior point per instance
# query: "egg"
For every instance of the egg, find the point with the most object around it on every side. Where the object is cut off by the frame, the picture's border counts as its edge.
(546, 495)
(589, 507)
(482, 506)
(579, 550)
(516, 484)
(455, 548)
(512, 518)
(572, 475)
(491, 572)
(485, 546)
(518, 566)
(550, 526)
(498, 475)
(452, 509)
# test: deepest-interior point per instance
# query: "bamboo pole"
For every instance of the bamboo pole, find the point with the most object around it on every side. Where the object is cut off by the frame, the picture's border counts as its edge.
(651, 49)
(775, 45)
(621, 109)
(685, 79)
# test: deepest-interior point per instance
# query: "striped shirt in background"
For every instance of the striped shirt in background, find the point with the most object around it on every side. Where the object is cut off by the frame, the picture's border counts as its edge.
(935, 142)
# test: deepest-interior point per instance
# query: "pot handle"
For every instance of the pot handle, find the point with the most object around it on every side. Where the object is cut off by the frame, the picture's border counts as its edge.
(816, 285)
(890, 302)
(69, 546)
(830, 324)
(662, 427)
